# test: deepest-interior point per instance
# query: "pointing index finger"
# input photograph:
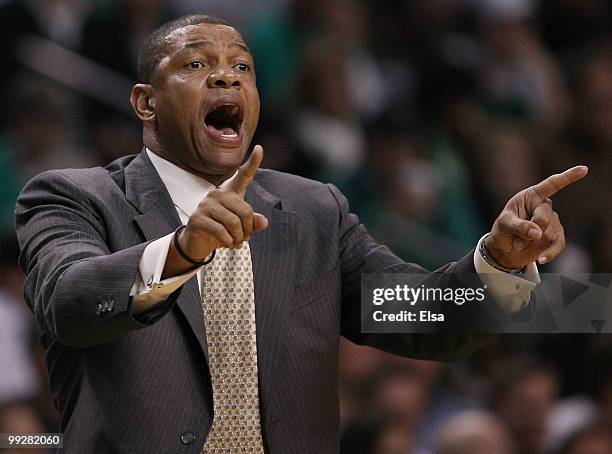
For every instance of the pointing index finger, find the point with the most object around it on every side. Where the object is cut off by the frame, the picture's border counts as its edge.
(554, 183)
(247, 171)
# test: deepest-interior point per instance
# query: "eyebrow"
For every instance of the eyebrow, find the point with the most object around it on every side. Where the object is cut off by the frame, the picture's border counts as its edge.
(204, 42)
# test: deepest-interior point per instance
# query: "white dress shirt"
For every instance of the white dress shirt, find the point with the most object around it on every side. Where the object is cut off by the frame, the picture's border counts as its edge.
(187, 190)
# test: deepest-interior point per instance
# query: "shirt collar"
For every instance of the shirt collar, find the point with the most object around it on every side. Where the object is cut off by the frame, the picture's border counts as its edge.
(185, 188)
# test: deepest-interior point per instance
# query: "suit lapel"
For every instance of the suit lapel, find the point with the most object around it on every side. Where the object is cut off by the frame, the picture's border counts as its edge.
(146, 191)
(274, 259)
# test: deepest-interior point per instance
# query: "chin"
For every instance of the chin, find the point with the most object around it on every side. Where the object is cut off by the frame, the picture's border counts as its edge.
(221, 161)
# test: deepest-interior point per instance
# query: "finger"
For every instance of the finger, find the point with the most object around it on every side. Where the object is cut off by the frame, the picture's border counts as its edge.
(510, 224)
(247, 171)
(554, 183)
(548, 238)
(260, 222)
(229, 220)
(542, 214)
(244, 211)
(554, 250)
(214, 229)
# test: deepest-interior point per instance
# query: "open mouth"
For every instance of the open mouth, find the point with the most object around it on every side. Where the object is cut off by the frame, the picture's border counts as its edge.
(225, 121)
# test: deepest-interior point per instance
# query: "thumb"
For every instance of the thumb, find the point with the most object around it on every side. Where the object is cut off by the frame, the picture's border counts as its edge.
(260, 222)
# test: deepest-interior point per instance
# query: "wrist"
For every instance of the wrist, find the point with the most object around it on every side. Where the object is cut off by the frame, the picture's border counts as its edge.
(181, 246)
(492, 257)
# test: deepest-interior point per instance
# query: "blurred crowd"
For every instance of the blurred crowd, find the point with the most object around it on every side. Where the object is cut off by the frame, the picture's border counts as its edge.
(427, 114)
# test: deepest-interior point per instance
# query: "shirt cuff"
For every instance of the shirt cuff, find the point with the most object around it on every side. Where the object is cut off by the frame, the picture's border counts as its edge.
(148, 289)
(511, 291)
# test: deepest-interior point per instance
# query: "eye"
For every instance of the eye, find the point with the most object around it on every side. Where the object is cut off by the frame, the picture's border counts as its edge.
(242, 67)
(196, 65)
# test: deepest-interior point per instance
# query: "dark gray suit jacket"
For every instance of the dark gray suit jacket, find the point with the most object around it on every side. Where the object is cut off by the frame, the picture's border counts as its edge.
(127, 386)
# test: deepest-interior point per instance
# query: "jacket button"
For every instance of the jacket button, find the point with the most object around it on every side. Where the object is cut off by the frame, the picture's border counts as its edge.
(187, 438)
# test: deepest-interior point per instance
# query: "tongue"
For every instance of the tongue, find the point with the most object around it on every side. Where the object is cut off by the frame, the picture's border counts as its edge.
(225, 130)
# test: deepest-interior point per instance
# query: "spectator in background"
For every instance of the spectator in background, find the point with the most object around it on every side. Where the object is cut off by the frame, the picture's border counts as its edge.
(588, 137)
(508, 160)
(19, 380)
(349, 86)
(327, 127)
(358, 364)
(600, 374)
(594, 101)
(523, 396)
(519, 76)
(345, 22)
(396, 402)
(409, 212)
(592, 440)
(475, 432)
(403, 398)
(421, 197)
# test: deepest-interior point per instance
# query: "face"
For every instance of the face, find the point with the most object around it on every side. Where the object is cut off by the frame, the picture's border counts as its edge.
(205, 100)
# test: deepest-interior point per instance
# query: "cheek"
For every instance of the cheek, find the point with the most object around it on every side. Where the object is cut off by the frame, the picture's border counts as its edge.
(253, 101)
(183, 98)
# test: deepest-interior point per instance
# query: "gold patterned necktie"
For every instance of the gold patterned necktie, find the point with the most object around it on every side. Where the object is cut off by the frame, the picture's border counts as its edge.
(229, 316)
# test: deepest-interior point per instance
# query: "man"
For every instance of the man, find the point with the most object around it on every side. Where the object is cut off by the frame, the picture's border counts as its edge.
(475, 432)
(220, 336)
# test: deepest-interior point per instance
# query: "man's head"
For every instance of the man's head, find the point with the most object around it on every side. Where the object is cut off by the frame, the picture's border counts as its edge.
(474, 432)
(197, 96)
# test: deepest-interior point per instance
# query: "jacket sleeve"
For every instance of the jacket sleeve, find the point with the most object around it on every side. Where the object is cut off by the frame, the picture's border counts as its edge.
(78, 290)
(359, 254)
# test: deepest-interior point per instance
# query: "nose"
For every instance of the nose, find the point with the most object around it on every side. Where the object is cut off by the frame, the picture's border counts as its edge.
(223, 78)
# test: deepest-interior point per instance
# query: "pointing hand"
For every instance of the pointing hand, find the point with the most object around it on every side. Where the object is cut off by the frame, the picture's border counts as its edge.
(528, 229)
(223, 218)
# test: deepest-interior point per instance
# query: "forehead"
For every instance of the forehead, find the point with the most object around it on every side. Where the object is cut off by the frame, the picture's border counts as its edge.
(217, 35)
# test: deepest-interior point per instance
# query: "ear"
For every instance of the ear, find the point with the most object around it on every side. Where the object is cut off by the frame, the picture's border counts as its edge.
(143, 102)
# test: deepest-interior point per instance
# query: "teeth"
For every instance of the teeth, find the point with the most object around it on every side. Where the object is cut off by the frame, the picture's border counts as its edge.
(230, 136)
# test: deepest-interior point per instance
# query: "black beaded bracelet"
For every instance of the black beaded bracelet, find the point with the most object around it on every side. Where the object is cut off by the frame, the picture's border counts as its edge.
(486, 255)
(178, 248)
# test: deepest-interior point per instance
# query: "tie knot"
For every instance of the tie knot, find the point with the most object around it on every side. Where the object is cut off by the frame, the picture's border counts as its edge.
(228, 253)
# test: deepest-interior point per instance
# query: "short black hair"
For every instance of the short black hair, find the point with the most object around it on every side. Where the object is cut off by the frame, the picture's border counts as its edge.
(153, 48)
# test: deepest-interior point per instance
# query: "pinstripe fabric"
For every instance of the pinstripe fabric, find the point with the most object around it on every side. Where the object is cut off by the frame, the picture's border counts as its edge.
(127, 386)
